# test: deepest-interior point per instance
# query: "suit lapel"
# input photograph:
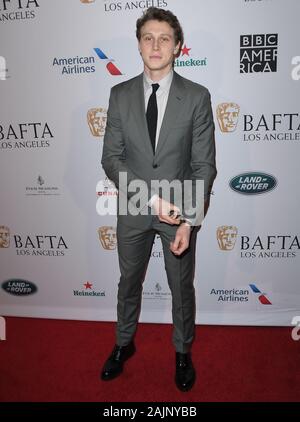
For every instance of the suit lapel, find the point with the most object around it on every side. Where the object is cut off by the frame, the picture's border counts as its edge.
(174, 105)
(137, 104)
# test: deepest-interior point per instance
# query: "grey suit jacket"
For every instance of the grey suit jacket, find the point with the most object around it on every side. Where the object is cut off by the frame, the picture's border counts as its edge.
(185, 148)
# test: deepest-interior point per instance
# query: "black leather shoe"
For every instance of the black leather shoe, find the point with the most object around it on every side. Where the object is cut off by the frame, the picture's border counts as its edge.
(114, 364)
(185, 372)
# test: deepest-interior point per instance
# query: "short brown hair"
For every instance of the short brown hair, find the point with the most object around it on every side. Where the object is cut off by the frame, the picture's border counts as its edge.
(154, 13)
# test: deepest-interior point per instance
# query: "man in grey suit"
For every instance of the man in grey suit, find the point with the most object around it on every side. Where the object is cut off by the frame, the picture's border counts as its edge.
(159, 127)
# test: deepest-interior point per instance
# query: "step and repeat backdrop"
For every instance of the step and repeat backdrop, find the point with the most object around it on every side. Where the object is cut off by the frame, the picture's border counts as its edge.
(58, 62)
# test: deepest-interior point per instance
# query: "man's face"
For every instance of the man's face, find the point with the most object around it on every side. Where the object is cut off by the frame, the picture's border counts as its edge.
(157, 45)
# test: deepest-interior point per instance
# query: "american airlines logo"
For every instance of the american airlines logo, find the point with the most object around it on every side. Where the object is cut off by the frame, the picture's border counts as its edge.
(84, 64)
(112, 69)
(261, 296)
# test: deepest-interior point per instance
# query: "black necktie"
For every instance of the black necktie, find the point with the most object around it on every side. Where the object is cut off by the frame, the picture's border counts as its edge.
(151, 115)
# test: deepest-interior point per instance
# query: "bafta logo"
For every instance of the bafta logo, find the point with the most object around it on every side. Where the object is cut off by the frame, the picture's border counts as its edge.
(96, 118)
(108, 237)
(87, 1)
(4, 237)
(228, 115)
(226, 236)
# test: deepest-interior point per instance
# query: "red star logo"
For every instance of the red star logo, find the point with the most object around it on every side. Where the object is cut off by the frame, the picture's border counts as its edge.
(88, 285)
(185, 50)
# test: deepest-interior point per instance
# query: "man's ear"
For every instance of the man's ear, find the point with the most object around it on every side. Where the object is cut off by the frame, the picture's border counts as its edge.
(177, 49)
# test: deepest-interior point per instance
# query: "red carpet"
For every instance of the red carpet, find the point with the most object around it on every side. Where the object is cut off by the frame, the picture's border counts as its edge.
(53, 360)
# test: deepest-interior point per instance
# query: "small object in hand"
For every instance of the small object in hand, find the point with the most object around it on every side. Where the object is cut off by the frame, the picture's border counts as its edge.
(172, 212)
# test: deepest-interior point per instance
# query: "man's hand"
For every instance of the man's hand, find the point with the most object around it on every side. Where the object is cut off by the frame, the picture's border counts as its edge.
(166, 212)
(182, 239)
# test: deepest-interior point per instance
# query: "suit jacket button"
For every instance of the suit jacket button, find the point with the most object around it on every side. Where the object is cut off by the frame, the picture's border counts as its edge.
(155, 166)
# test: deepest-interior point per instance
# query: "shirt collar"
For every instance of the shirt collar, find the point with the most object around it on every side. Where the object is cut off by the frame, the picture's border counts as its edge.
(164, 83)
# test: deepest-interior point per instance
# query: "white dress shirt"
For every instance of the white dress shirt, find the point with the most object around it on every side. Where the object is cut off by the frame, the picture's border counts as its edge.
(162, 95)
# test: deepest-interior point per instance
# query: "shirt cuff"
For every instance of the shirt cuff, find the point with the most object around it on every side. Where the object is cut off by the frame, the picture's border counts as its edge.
(152, 200)
(187, 222)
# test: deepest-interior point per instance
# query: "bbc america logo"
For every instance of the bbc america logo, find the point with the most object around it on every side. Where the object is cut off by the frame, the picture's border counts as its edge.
(258, 53)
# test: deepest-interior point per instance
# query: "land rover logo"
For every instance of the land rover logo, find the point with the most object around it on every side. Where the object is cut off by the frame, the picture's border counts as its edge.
(253, 183)
(19, 287)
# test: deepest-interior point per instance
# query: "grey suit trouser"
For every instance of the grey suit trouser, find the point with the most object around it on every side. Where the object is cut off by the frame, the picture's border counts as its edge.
(134, 250)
